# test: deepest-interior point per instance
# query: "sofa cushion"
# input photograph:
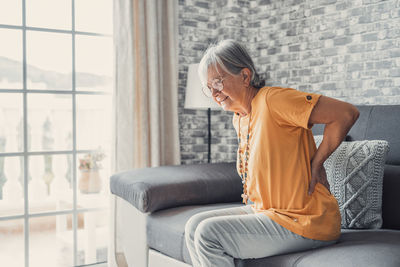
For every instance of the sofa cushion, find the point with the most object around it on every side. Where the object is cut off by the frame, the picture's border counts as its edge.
(152, 189)
(355, 248)
(379, 122)
(391, 198)
(383, 124)
(165, 233)
(355, 173)
(166, 229)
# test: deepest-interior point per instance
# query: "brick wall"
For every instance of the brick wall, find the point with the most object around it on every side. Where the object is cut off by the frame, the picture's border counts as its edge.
(346, 49)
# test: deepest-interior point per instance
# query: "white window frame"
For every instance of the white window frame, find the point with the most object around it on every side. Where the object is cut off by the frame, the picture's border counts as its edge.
(25, 154)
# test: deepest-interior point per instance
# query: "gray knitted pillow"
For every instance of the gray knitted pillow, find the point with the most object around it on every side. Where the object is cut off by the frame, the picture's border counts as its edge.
(355, 174)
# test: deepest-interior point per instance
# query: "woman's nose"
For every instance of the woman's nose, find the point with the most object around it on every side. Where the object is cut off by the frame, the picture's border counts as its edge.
(214, 92)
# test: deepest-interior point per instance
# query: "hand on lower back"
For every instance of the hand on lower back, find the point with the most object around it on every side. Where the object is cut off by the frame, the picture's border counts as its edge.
(318, 175)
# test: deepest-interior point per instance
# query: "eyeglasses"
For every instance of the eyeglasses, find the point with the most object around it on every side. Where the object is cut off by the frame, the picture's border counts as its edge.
(216, 84)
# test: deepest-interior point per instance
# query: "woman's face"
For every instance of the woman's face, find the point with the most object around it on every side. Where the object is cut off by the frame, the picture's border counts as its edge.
(232, 95)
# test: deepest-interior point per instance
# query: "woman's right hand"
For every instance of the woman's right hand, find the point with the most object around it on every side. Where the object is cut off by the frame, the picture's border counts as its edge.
(318, 175)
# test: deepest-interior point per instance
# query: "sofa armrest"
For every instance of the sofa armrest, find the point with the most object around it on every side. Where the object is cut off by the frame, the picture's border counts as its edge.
(152, 189)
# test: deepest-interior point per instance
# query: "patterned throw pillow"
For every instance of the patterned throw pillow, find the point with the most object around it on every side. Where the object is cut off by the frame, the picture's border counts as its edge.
(355, 174)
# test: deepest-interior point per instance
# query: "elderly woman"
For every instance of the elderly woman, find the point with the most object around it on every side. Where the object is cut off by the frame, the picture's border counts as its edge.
(290, 205)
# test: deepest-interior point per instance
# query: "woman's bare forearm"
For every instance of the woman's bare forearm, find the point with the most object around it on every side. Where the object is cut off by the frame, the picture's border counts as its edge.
(334, 133)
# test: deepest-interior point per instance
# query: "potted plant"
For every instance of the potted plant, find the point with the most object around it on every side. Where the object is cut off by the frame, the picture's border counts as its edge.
(89, 165)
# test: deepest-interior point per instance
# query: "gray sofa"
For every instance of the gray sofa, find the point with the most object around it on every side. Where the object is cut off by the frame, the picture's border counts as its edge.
(157, 202)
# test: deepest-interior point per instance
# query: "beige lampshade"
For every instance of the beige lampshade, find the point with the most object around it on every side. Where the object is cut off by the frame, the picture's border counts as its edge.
(195, 98)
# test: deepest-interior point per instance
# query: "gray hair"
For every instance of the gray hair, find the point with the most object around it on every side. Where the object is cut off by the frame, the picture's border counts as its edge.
(232, 57)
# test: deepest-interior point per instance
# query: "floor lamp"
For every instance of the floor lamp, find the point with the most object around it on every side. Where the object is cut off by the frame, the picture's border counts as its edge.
(195, 99)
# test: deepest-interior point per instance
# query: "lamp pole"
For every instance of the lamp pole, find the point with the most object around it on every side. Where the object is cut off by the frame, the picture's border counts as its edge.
(196, 99)
(209, 134)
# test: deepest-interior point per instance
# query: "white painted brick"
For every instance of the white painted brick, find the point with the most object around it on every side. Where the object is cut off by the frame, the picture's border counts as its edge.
(329, 43)
(313, 63)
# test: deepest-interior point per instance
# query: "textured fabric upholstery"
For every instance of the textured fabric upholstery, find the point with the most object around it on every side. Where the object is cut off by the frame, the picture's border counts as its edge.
(384, 124)
(355, 248)
(375, 123)
(391, 198)
(152, 189)
(165, 231)
(355, 174)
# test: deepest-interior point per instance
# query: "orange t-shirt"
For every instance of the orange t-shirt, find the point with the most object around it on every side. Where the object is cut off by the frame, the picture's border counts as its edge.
(281, 147)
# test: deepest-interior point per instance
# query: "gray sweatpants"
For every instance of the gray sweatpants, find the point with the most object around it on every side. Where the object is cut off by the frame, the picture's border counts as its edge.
(216, 237)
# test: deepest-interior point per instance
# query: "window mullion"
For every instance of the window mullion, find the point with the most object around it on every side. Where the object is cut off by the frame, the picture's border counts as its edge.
(3, 26)
(74, 167)
(25, 117)
(41, 91)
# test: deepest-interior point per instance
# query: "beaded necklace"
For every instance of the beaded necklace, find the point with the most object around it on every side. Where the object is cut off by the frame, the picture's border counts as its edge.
(243, 163)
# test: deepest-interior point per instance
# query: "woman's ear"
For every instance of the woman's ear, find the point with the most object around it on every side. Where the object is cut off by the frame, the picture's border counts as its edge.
(246, 73)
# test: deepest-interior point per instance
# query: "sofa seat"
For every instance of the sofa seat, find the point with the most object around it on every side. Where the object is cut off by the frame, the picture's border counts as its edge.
(380, 247)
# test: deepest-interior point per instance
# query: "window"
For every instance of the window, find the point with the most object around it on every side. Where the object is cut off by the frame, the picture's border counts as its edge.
(56, 90)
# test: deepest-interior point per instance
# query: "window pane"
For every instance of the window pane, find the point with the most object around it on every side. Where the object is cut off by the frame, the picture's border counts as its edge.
(92, 237)
(51, 237)
(94, 63)
(49, 60)
(49, 14)
(92, 182)
(93, 193)
(93, 121)
(49, 122)
(12, 243)
(99, 12)
(11, 123)
(10, 58)
(10, 12)
(50, 183)
(11, 186)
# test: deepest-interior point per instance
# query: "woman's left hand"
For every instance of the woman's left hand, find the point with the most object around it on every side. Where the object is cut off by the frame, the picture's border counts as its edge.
(318, 175)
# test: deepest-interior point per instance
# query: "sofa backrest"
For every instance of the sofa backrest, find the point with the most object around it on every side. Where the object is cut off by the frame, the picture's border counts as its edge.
(381, 123)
